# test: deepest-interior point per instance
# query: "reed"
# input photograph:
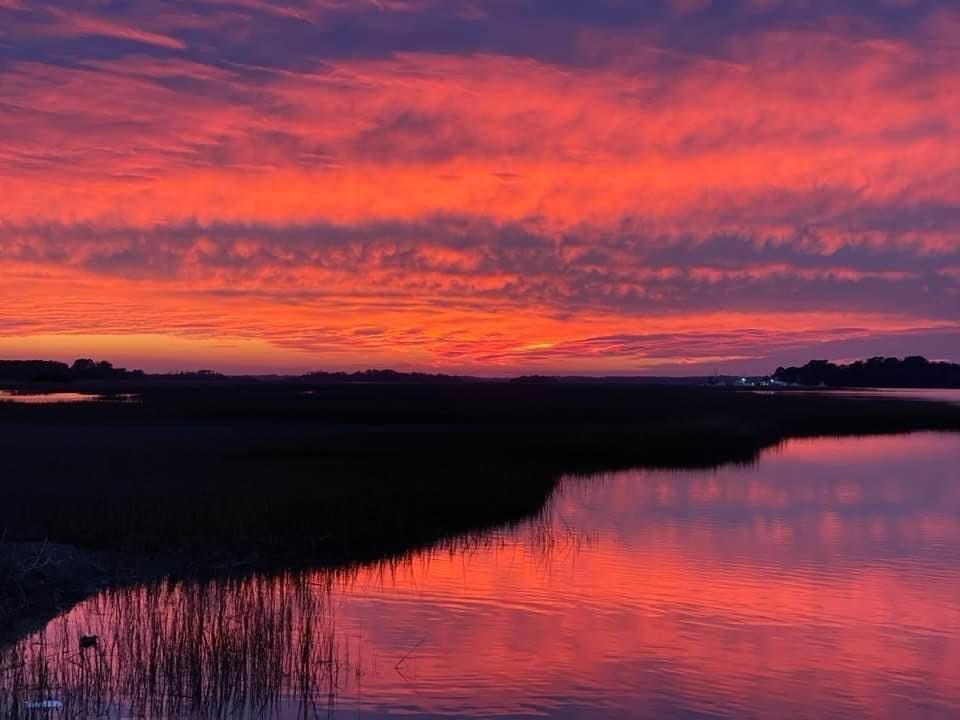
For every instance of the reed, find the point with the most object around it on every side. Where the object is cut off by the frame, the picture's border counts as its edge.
(235, 648)
(256, 645)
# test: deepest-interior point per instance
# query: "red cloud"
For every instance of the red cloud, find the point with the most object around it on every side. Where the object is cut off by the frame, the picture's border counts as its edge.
(836, 147)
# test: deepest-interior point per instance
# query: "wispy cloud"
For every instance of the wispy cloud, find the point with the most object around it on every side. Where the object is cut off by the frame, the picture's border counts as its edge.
(591, 165)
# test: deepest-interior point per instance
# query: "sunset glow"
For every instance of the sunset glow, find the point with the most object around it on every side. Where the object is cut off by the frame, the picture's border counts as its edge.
(486, 186)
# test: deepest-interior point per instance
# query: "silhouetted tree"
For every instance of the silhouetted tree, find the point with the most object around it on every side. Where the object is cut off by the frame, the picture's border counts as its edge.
(83, 365)
(34, 370)
(913, 371)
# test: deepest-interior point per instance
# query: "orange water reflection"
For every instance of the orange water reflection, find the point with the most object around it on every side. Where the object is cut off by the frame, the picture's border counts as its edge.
(53, 398)
(822, 582)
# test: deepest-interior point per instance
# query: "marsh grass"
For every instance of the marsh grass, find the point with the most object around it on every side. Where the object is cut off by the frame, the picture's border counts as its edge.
(232, 648)
(18, 569)
(364, 471)
(253, 488)
(257, 645)
(274, 476)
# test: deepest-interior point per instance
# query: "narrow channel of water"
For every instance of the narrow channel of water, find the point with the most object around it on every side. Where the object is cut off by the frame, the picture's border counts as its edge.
(823, 581)
(52, 398)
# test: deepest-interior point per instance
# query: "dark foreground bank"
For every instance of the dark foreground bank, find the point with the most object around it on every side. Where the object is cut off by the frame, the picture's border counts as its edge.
(291, 474)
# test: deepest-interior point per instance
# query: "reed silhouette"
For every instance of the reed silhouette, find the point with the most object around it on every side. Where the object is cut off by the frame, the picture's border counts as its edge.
(253, 645)
(221, 648)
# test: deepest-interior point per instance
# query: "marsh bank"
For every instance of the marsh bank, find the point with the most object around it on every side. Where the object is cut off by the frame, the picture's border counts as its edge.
(296, 474)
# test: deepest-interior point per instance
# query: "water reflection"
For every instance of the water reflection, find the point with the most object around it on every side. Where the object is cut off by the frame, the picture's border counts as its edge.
(822, 582)
(950, 395)
(233, 648)
(941, 394)
(27, 398)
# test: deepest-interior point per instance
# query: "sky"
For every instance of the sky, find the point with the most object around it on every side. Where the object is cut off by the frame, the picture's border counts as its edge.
(483, 186)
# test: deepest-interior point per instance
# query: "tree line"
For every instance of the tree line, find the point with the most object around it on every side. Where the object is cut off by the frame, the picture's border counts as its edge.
(914, 372)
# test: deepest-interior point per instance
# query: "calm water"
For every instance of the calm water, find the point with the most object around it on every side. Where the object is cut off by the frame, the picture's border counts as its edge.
(59, 397)
(45, 398)
(944, 394)
(823, 582)
(949, 395)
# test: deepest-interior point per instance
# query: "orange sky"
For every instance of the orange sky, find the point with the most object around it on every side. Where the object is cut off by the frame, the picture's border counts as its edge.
(231, 184)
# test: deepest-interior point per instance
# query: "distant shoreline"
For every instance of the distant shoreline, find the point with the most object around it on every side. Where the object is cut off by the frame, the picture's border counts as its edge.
(878, 372)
